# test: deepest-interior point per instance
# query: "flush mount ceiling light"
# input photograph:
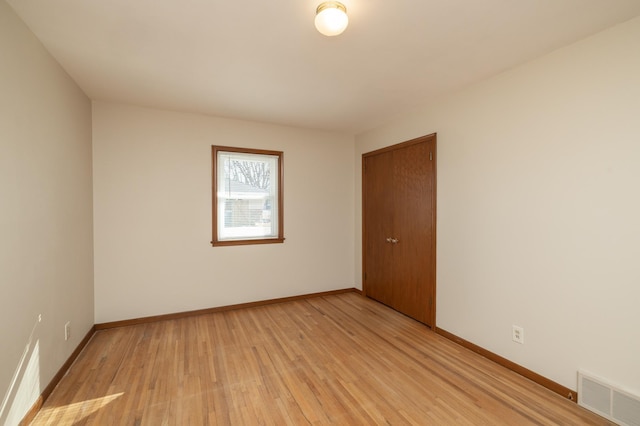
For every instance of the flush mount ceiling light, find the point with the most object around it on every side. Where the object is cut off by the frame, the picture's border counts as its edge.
(331, 18)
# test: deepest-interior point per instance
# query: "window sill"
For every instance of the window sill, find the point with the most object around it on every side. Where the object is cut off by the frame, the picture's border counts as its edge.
(247, 242)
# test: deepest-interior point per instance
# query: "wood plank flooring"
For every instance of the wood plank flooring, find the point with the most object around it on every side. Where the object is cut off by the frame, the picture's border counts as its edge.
(341, 359)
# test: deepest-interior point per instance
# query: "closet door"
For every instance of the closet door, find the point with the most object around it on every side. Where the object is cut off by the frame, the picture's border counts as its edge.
(399, 227)
(378, 216)
(412, 229)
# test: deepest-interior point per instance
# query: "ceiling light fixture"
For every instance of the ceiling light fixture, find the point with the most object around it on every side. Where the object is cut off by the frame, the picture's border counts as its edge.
(331, 18)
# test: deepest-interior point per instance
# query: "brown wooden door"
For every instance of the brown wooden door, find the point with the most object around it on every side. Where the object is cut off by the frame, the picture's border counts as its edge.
(378, 217)
(399, 227)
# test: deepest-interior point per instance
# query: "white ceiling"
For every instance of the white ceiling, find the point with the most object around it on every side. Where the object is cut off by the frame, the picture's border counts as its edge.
(264, 61)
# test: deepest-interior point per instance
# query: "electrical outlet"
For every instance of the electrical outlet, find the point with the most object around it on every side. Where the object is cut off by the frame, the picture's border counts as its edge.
(517, 334)
(67, 331)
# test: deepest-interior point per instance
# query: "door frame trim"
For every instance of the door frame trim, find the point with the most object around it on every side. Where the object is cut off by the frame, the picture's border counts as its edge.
(421, 139)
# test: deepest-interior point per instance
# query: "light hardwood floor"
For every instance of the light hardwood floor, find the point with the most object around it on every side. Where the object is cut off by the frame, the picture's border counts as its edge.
(340, 359)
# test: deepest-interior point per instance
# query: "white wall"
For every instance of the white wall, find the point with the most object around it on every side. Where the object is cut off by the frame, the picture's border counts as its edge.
(539, 208)
(46, 247)
(152, 195)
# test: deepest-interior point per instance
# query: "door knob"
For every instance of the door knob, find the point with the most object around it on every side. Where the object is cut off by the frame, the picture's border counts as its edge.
(394, 241)
(389, 239)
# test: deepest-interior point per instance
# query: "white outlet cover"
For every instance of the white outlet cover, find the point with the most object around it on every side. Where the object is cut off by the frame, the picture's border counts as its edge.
(518, 334)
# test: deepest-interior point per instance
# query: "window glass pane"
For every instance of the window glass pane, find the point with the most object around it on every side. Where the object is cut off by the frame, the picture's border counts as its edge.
(247, 196)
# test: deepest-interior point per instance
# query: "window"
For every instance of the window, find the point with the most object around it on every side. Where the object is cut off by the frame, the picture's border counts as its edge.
(247, 196)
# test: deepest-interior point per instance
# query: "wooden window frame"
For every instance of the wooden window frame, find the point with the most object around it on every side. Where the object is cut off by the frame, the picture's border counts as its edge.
(215, 241)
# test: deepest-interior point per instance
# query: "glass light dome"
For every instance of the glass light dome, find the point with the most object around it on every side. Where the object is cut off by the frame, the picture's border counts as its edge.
(331, 18)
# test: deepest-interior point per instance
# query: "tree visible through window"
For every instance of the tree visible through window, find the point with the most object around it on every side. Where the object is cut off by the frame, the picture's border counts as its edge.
(247, 196)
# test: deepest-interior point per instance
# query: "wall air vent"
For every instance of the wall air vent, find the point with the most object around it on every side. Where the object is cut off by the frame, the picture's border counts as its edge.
(608, 400)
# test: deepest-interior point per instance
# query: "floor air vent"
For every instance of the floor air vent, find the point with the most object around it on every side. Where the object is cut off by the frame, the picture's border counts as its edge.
(609, 401)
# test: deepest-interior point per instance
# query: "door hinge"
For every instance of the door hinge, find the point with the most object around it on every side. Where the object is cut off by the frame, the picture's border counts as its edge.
(430, 302)
(365, 275)
(430, 156)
